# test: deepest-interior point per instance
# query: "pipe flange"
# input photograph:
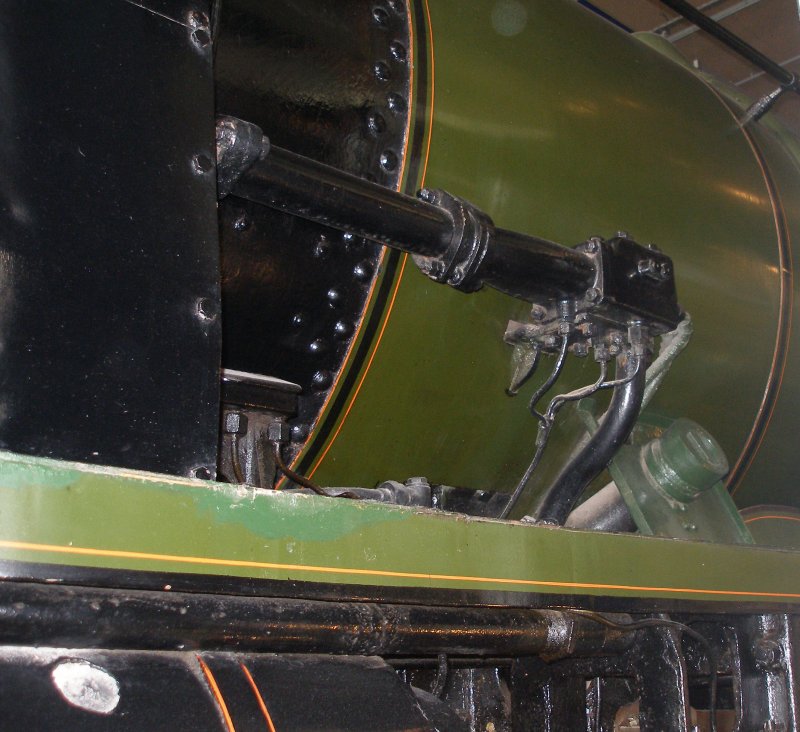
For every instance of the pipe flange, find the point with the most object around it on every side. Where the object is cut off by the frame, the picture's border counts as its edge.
(473, 230)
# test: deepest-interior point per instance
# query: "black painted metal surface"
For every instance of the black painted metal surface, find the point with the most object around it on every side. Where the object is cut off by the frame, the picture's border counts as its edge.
(331, 81)
(83, 617)
(62, 689)
(108, 247)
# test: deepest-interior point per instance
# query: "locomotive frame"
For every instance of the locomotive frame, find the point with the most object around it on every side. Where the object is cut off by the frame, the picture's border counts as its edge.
(131, 597)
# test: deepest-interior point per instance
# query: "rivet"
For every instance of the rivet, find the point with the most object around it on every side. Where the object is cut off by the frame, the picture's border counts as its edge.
(317, 346)
(381, 71)
(396, 5)
(342, 329)
(425, 194)
(198, 19)
(241, 222)
(362, 271)
(398, 51)
(202, 473)
(388, 161)
(397, 105)
(201, 164)
(380, 16)
(321, 379)
(201, 37)
(322, 246)
(376, 124)
(207, 309)
(299, 432)
(298, 320)
(334, 296)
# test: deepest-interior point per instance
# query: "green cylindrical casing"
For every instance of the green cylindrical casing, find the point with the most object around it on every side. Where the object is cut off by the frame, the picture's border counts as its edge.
(560, 125)
(685, 461)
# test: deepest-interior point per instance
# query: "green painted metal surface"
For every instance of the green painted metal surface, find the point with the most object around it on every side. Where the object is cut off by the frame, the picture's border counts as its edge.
(65, 513)
(562, 126)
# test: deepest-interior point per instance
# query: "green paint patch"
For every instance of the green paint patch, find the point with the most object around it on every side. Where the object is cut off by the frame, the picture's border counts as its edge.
(277, 515)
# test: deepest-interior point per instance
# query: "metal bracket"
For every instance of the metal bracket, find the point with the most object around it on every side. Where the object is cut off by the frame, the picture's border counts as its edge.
(671, 483)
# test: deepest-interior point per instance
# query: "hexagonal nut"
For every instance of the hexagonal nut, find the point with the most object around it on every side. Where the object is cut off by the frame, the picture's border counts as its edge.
(235, 423)
(768, 654)
(279, 432)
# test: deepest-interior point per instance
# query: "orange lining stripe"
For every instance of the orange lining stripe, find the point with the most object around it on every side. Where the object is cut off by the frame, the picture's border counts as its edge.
(433, 92)
(404, 159)
(780, 518)
(212, 682)
(405, 256)
(28, 546)
(785, 266)
(366, 371)
(254, 687)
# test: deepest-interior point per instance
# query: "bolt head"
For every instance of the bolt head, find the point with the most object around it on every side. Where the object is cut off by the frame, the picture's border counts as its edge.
(235, 423)
(241, 222)
(767, 654)
(279, 432)
(202, 164)
(592, 294)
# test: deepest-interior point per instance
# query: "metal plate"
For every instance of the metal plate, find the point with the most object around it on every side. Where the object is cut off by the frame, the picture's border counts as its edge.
(52, 688)
(108, 234)
(330, 81)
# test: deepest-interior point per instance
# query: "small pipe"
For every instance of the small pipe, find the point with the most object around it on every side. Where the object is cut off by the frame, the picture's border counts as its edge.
(732, 41)
(721, 15)
(589, 461)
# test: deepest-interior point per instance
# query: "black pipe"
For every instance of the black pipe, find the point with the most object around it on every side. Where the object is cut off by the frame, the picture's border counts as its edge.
(461, 242)
(590, 460)
(303, 187)
(80, 617)
(732, 41)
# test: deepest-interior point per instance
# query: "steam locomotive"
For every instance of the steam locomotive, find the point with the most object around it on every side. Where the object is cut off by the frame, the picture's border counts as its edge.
(391, 365)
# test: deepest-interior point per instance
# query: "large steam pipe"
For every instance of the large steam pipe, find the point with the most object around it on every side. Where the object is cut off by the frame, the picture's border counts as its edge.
(464, 247)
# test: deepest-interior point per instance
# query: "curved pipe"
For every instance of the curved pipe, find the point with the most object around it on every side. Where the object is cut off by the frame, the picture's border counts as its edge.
(591, 459)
